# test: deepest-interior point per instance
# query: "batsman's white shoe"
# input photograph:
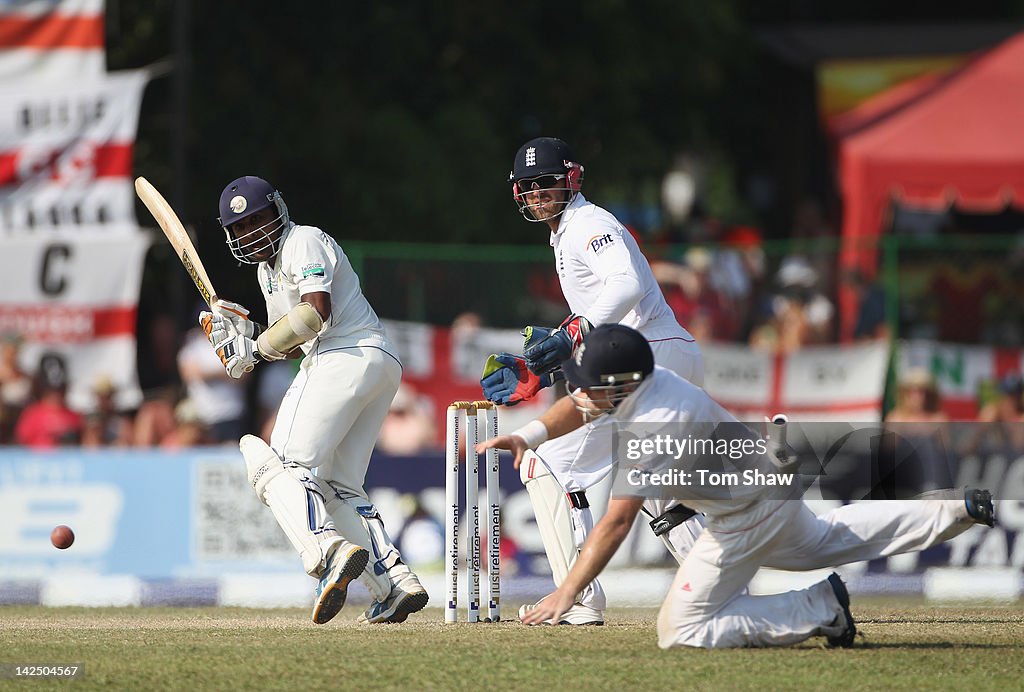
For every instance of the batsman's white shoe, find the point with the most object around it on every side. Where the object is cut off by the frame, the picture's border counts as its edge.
(346, 563)
(407, 596)
(579, 614)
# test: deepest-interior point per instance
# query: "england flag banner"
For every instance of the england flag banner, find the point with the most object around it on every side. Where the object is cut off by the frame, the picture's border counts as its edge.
(66, 153)
(51, 40)
(73, 300)
(820, 383)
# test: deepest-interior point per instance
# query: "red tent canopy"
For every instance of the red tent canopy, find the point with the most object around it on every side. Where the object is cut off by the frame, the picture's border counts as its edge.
(955, 140)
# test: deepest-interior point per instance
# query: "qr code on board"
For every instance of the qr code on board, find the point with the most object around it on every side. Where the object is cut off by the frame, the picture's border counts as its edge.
(231, 524)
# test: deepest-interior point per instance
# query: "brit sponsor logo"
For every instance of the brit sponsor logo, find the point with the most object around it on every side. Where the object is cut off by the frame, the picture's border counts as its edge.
(599, 242)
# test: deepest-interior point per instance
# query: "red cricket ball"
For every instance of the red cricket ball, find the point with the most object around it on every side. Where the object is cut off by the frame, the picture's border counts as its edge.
(62, 537)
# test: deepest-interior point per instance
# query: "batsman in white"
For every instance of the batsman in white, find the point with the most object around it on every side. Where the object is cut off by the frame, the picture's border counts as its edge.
(613, 379)
(605, 279)
(311, 475)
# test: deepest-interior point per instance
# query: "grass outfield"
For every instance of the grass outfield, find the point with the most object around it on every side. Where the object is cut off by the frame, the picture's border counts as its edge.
(910, 646)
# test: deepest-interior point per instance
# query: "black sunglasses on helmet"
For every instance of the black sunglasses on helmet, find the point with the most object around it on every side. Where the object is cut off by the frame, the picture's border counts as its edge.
(541, 182)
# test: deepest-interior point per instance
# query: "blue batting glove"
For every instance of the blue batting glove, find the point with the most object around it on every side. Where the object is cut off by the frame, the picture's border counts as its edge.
(546, 349)
(506, 380)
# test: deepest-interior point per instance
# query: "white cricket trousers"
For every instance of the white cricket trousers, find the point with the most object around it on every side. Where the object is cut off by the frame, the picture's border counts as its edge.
(706, 606)
(331, 415)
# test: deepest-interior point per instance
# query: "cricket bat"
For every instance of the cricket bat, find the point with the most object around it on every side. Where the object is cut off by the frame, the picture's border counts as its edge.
(175, 232)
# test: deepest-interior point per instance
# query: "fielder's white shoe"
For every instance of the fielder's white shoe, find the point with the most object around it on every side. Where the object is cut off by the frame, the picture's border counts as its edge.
(407, 596)
(579, 614)
(344, 564)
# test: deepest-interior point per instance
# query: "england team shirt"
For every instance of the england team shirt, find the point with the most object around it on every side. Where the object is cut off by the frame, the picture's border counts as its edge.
(311, 261)
(603, 274)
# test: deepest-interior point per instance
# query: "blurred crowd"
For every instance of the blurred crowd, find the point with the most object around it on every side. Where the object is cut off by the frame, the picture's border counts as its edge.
(732, 290)
(726, 288)
(203, 406)
(197, 404)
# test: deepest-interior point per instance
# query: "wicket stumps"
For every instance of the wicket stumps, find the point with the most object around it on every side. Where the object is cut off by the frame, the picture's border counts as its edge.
(451, 524)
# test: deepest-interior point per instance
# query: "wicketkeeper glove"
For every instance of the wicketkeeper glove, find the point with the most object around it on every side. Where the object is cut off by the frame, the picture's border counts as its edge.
(544, 350)
(237, 354)
(507, 381)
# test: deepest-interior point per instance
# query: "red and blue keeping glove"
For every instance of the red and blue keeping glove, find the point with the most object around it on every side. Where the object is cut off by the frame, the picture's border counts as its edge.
(506, 380)
(546, 349)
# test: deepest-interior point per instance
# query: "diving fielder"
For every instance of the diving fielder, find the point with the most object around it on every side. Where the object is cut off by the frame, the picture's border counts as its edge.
(311, 475)
(613, 379)
(605, 279)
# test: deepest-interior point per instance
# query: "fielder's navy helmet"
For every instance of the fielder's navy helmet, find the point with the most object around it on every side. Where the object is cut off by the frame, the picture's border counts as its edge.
(611, 354)
(607, 367)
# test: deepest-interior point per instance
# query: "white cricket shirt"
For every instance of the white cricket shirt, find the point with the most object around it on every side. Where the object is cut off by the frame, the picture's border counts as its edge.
(311, 261)
(603, 274)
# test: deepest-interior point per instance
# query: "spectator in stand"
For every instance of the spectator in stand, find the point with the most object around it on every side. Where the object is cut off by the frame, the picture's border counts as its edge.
(15, 385)
(48, 421)
(960, 294)
(813, 230)
(674, 281)
(1008, 406)
(464, 336)
(219, 399)
(917, 457)
(800, 314)
(408, 427)
(1001, 430)
(714, 304)
(871, 323)
(693, 299)
(189, 430)
(738, 273)
(155, 418)
(918, 399)
(105, 426)
(1005, 310)
(160, 340)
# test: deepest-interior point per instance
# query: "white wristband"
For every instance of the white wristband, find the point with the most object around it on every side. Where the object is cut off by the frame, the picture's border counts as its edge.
(533, 433)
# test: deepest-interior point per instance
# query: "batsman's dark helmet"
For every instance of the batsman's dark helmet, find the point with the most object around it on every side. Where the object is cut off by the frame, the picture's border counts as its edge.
(244, 197)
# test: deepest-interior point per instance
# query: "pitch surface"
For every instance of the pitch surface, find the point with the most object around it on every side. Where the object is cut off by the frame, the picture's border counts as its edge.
(903, 645)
